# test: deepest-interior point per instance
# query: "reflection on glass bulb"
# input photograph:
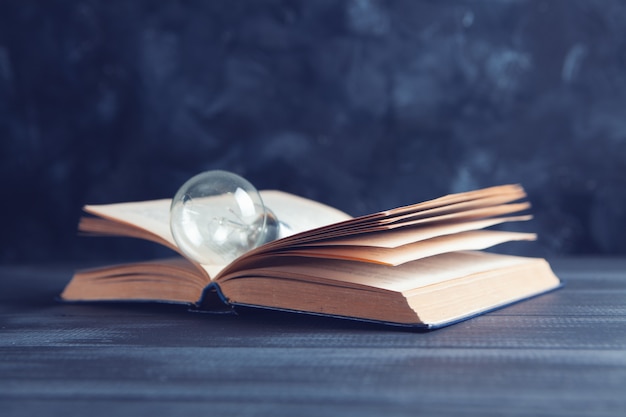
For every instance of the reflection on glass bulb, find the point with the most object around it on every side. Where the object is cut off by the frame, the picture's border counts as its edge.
(217, 216)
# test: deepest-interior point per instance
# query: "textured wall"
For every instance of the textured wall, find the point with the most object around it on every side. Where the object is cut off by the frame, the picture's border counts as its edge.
(361, 104)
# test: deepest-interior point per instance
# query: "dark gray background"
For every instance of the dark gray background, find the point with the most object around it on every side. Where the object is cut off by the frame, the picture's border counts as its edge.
(364, 105)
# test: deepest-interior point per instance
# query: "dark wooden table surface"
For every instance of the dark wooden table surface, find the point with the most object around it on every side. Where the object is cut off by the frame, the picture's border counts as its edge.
(562, 354)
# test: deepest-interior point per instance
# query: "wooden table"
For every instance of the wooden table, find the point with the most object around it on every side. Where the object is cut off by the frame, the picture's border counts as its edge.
(562, 354)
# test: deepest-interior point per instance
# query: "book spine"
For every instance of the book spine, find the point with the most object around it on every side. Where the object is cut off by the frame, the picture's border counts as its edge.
(213, 301)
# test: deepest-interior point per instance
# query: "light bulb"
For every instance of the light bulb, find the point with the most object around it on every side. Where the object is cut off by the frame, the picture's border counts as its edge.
(217, 216)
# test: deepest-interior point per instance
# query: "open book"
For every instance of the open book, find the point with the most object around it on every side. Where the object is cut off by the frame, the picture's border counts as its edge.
(420, 265)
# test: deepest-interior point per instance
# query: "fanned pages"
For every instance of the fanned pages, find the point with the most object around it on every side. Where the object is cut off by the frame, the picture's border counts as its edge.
(419, 265)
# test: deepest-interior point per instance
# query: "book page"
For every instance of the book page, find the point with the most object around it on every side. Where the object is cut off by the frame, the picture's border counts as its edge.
(151, 219)
(402, 278)
(301, 214)
(471, 240)
(483, 204)
(152, 216)
(168, 280)
(399, 237)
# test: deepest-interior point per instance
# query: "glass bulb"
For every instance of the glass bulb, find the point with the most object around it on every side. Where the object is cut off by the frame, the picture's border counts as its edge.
(217, 216)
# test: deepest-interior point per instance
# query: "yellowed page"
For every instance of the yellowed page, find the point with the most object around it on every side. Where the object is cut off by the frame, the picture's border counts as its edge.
(153, 216)
(399, 237)
(451, 203)
(401, 278)
(472, 240)
(459, 207)
(171, 280)
(150, 219)
(299, 213)
(460, 212)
